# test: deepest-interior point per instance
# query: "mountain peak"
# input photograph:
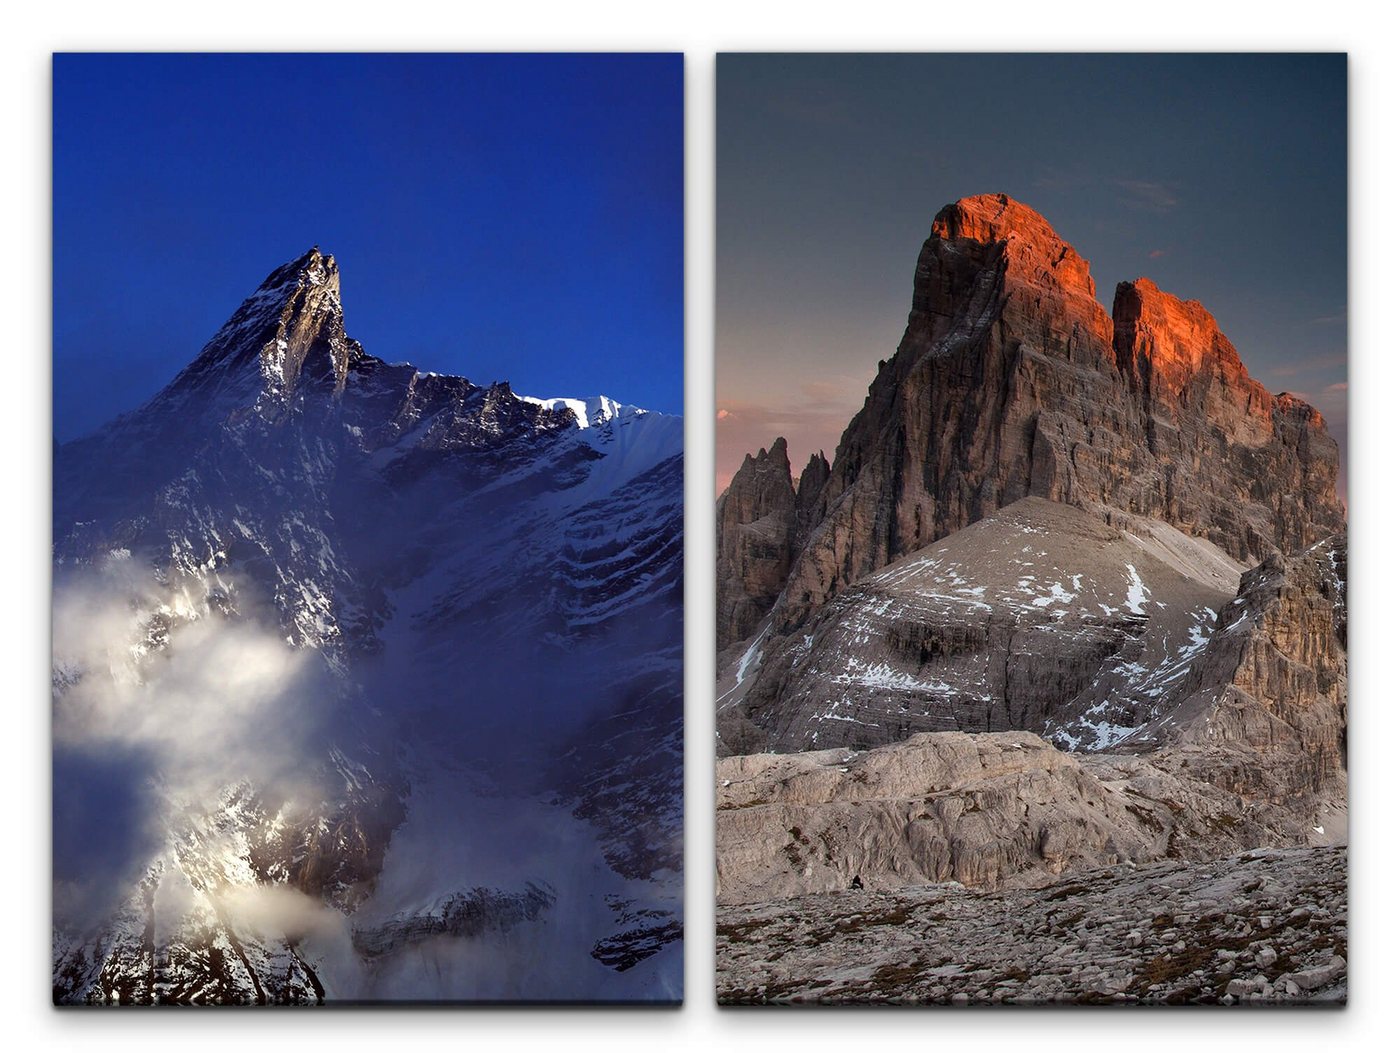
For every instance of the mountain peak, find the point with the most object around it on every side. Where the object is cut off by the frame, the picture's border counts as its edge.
(1013, 381)
(754, 561)
(312, 268)
(990, 248)
(288, 334)
(990, 217)
(1035, 253)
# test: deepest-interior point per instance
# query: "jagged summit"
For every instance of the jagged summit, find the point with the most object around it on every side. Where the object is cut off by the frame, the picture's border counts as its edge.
(763, 515)
(289, 334)
(311, 267)
(286, 344)
(1039, 252)
(777, 453)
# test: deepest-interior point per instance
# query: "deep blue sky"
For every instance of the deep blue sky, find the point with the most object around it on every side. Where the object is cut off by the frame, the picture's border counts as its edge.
(501, 217)
(1221, 177)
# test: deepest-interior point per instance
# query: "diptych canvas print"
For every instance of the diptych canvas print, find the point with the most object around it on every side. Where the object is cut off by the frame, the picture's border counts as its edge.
(1030, 624)
(366, 675)
(1032, 570)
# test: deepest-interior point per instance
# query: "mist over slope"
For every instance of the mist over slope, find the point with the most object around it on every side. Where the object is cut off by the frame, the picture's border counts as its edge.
(342, 648)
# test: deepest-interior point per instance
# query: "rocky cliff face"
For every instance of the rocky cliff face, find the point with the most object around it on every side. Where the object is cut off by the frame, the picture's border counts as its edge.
(761, 518)
(757, 519)
(1012, 381)
(1262, 710)
(1253, 473)
(444, 610)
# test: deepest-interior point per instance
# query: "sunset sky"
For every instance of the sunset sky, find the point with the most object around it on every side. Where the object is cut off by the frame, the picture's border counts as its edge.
(1221, 177)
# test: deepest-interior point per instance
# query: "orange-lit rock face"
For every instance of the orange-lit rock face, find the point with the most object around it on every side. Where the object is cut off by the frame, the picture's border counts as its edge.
(1168, 337)
(1035, 253)
(1166, 340)
(991, 243)
(1173, 354)
(1012, 381)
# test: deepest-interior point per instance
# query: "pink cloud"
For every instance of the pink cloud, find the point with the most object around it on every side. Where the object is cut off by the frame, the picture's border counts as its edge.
(1146, 194)
(1307, 365)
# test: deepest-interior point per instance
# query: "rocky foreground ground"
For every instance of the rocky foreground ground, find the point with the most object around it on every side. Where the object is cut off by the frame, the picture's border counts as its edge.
(1267, 926)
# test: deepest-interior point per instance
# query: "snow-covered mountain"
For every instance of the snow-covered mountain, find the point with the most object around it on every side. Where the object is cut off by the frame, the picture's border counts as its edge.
(367, 682)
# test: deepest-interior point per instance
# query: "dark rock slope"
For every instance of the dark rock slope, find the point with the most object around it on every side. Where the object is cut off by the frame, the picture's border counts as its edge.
(1039, 617)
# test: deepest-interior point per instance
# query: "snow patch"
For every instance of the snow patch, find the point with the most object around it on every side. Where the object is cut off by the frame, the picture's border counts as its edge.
(589, 412)
(1137, 592)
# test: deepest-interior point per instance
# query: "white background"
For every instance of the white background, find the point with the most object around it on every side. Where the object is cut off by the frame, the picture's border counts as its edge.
(32, 30)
